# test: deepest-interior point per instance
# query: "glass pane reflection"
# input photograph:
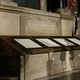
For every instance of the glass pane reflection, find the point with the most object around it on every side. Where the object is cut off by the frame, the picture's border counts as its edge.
(74, 40)
(64, 42)
(27, 43)
(48, 42)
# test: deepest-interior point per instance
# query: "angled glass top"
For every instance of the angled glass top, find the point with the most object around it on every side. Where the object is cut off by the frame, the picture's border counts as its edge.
(64, 42)
(74, 40)
(39, 44)
(27, 43)
(48, 42)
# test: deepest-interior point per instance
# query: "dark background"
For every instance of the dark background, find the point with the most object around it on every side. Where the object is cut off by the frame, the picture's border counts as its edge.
(10, 66)
(35, 4)
(78, 7)
(52, 5)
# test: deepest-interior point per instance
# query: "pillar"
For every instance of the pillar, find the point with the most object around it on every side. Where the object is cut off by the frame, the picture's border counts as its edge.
(43, 5)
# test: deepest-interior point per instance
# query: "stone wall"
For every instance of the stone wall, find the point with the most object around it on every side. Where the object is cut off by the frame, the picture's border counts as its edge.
(67, 25)
(30, 22)
(44, 24)
(48, 64)
(7, 3)
(9, 23)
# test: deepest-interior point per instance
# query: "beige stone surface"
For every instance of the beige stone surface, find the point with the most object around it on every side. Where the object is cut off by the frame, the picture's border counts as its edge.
(77, 64)
(9, 23)
(8, 3)
(41, 28)
(36, 66)
(76, 59)
(40, 25)
(43, 5)
(55, 63)
(22, 68)
(58, 66)
(66, 27)
(43, 20)
(41, 65)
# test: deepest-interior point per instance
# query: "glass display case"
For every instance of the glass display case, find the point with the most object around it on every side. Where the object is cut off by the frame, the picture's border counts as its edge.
(13, 47)
(42, 44)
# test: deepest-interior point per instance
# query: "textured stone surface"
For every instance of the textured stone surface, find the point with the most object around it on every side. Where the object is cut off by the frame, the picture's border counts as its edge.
(9, 23)
(36, 66)
(40, 25)
(55, 63)
(66, 25)
(8, 3)
(76, 59)
(43, 5)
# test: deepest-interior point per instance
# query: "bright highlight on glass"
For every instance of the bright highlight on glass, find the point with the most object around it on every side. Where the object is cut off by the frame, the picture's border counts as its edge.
(74, 40)
(27, 43)
(48, 42)
(64, 42)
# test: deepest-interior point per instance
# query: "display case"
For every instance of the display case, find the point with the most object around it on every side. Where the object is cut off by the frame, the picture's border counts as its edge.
(27, 53)
(35, 44)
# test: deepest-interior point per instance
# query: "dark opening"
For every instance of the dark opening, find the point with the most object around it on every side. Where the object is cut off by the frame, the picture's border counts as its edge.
(55, 5)
(10, 66)
(78, 6)
(35, 4)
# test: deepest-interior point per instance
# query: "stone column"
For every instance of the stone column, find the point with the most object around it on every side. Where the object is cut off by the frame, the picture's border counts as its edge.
(8, 3)
(43, 4)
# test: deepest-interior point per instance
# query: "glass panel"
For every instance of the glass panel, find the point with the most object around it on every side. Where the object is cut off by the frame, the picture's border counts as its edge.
(27, 43)
(48, 42)
(64, 42)
(74, 40)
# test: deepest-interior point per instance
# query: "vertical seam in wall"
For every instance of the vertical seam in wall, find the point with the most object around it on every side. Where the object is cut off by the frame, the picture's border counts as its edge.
(49, 63)
(24, 68)
(60, 24)
(20, 24)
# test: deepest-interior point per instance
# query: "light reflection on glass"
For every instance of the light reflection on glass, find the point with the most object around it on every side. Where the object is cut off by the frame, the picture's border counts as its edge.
(64, 42)
(27, 43)
(48, 42)
(74, 40)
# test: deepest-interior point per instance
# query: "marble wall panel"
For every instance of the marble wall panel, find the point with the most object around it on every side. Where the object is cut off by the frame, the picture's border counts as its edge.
(55, 63)
(8, 3)
(41, 65)
(22, 68)
(77, 64)
(9, 23)
(36, 66)
(76, 59)
(40, 25)
(66, 27)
